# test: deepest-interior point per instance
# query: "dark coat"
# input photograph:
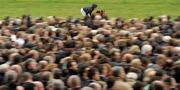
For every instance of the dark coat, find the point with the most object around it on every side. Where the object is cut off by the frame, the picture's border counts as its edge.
(89, 9)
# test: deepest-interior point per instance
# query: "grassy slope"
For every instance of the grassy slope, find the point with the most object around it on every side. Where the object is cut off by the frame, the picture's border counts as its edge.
(114, 8)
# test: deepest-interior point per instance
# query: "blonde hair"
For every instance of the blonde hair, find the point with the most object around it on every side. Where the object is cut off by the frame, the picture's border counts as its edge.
(136, 63)
(134, 49)
(161, 59)
(85, 57)
(109, 71)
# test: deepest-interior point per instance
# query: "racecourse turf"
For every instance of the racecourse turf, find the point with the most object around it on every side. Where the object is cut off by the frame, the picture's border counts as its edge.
(114, 8)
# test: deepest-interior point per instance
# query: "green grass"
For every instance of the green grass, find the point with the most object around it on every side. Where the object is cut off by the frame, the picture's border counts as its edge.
(114, 8)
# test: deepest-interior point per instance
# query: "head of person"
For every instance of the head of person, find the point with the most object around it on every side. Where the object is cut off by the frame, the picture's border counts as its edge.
(138, 86)
(169, 83)
(134, 49)
(87, 88)
(157, 85)
(56, 85)
(95, 86)
(45, 77)
(17, 69)
(149, 74)
(72, 65)
(127, 57)
(34, 54)
(164, 18)
(85, 57)
(93, 74)
(19, 88)
(57, 73)
(110, 82)
(30, 65)
(74, 82)
(132, 78)
(118, 72)
(26, 76)
(43, 65)
(161, 60)
(106, 70)
(49, 59)
(84, 72)
(11, 76)
(17, 59)
(39, 85)
(59, 44)
(136, 63)
(27, 81)
(146, 49)
(116, 55)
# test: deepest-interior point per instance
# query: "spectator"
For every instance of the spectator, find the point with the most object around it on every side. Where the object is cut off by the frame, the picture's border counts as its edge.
(27, 82)
(138, 86)
(87, 88)
(95, 86)
(39, 85)
(119, 74)
(94, 53)
(56, 85)
(74, 82)
(10, 79)
(93, 75)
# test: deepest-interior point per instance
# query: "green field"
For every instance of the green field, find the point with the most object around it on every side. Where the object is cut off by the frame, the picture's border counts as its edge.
(114, 8)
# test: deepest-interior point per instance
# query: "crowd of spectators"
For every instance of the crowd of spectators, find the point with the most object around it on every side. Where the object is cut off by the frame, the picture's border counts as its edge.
(93, 53)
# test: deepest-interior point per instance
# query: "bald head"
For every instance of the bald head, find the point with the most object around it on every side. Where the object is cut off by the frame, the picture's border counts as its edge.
(17, 69)
(127, 57)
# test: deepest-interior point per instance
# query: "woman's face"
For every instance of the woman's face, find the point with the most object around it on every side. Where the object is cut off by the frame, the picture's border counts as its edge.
(78, 44)
(123, 74)
(96, 76)
(74, 66)
(60, 44)
(33, 66)
(105, 71)
(117, 55)
(7, 32)
(85, 76)
(40, 44)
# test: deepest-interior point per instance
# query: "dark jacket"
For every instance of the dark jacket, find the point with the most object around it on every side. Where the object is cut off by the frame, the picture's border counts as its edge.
(89, 9)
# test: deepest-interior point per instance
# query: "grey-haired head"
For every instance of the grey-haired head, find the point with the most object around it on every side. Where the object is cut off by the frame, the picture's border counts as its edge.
(116, 71)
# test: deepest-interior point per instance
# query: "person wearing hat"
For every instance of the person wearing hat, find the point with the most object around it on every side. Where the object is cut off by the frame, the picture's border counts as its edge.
(86, 11)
